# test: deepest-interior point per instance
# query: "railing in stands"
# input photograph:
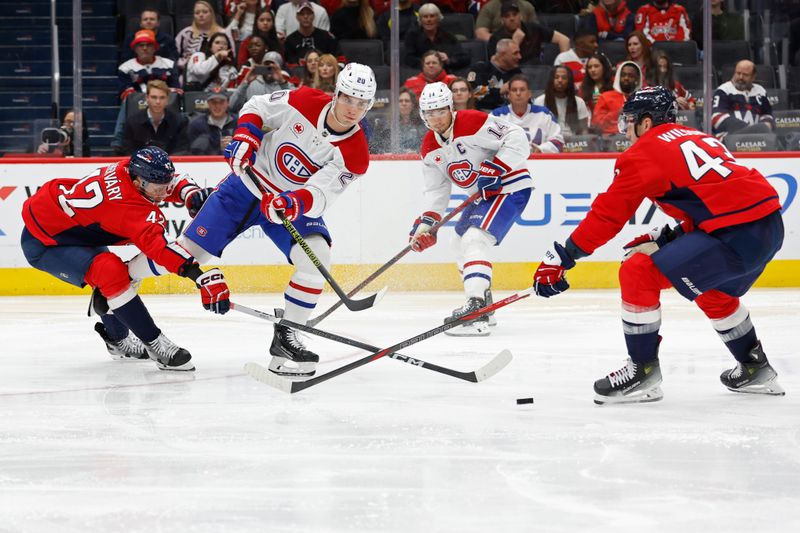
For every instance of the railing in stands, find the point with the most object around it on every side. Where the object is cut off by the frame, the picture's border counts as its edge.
(77, 76)
(56, 82)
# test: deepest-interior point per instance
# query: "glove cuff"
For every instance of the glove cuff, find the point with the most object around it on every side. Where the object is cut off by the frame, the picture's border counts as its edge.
(249, 132)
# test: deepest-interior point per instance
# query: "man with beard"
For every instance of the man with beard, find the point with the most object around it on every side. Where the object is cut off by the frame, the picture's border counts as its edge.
(609, 104)
(741, 106)
(490, 78)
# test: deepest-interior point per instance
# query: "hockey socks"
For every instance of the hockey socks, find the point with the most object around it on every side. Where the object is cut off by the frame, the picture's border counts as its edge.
(115, 329)
(136, 317)
(738, 333)
(641, 325)
(306, 284)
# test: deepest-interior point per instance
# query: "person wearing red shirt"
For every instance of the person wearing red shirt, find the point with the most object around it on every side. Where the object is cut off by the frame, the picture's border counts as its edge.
(432, 71)
(730, 228)
(69, 224)
(661, 20)
(606, 111)
(611, 20)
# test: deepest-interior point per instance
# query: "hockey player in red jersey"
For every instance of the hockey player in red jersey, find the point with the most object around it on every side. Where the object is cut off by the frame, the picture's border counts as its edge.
(475, 152)
(69, 223)
(730, 228)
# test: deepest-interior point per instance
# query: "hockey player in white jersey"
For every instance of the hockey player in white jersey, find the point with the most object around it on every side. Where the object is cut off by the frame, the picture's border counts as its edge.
(475, 152)
(313, 150)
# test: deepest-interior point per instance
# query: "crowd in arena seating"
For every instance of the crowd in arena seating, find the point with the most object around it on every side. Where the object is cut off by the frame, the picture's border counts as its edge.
(560, 69)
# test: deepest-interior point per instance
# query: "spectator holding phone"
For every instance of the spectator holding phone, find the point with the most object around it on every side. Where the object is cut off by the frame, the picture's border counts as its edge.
(262, 79)
(213, 66)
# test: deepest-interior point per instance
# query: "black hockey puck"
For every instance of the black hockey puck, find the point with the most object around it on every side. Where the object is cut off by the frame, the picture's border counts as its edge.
(522, 401)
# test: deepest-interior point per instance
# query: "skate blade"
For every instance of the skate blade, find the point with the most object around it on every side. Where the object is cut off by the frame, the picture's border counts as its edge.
(650, 395)
(492, 320)
(770, 388)
(469, 330)
(290, 369)
(185, 367)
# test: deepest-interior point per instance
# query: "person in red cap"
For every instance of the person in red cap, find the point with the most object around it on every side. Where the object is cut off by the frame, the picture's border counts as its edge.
(146, 66)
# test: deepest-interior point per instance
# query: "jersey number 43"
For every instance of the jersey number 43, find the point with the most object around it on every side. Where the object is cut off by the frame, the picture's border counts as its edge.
(714, 156)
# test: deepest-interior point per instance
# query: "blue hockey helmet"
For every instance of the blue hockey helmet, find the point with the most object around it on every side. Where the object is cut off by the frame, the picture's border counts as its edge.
(152, 164)
(656, 102)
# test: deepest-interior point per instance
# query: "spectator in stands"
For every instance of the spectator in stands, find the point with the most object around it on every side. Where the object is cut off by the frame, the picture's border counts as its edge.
(407, 14)
(209, 133)
(272, 79)
(213, 66)
(65, 147)
(134, 74)
(432, 70)
(575, 7)
(606, 112)
(157, 125)
(190, 39)
(611, 20)
(724, 26)
(286, 21)
(598, 79)
(257, 48)
(562, 100)
(264, 28)
(150, 19)
(229, 7)
(308, 36)
(310, 65)
(640, 52)
(665, 77)
(740, 105)
(410, 128)
(354, 20)
(663, 20)
(430, 36)
(489, 18)
(490, 78)
(529, 36)
(540, 125)
(575, 59)
(326, 75)
(462, 94)
(243, 19)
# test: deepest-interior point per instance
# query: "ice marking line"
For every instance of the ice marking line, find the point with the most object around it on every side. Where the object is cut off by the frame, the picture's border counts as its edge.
(130, 386)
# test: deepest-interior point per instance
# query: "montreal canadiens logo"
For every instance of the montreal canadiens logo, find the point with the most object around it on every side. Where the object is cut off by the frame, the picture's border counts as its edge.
(294, 164)
(462, 173)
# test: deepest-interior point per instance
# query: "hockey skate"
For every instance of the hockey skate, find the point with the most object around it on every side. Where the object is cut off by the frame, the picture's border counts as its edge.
(129, 348)
(633, 383)
(168, 355)
(489, 301)
(757, 377)
(290, 357)
(475, 328)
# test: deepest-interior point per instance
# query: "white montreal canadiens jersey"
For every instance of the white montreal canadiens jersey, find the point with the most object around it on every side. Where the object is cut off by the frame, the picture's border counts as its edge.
(476, 137)
(300, 152)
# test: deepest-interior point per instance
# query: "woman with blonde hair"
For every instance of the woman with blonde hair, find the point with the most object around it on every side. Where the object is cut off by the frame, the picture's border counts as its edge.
(326, 74)
(355, 19)
(191, 38)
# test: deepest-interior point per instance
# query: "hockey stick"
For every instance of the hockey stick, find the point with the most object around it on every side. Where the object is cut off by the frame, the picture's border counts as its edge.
(353, 305)
(263, 375)
(485, 372)
(316, 320)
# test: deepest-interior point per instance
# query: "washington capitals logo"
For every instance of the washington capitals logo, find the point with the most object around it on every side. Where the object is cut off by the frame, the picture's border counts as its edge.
(294, 164)
(462, 173)
(298, 128)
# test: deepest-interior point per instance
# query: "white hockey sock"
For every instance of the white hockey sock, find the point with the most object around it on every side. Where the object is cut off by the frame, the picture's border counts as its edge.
(477, 269)
(141, 266)
(306, 284)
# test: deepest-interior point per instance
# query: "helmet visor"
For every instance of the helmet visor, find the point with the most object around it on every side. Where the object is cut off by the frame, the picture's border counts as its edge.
(435, 113)
(158, 191)
(623, 121)
(358, 103)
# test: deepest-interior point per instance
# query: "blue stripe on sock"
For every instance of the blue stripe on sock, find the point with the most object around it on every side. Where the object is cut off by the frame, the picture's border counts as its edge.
(478, 275)
(301, 303)
(152, 266)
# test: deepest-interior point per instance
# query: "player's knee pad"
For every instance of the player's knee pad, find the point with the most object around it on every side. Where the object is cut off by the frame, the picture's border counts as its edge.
(719, 306)
(110, 275)
(640, 281)
(301, 260)
(475, 244)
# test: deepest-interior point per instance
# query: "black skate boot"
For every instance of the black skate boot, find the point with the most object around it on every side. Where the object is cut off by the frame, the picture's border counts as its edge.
(168, 355)
(756, 377)
(633, 383)
(474, 328)
(290, 357)
(489, 301)
(130, 348)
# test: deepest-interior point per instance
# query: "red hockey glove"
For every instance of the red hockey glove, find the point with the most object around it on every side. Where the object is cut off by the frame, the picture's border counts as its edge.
(489, 180)
(420, 236)
(196, 198)
(293, 204)
(651, 241)
(241, 151)
(549, 278)
(214, 291)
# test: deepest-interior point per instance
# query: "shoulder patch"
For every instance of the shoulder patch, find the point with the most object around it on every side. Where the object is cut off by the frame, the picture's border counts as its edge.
(309, 102)
(468, 122)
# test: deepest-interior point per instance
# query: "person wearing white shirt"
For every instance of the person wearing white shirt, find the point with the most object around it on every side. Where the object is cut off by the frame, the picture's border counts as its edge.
(286, 19)
(540, 125)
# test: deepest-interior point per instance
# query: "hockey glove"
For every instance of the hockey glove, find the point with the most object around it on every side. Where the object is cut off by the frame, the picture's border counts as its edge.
(489, 180)
(241, 151)
(292, 204)
(549, 278)
(196, 199)
(214, 291)
(420, 236)
(651, 241)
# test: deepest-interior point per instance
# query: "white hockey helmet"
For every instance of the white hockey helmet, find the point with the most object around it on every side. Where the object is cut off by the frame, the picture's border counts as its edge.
(434, 96)
(358, 81)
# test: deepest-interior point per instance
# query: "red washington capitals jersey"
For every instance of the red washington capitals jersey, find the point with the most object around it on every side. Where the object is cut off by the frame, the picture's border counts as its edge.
(103, 209)
(691, 176)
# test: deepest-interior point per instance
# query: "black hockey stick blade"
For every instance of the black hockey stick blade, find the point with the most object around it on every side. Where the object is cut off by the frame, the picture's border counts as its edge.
(476, 376)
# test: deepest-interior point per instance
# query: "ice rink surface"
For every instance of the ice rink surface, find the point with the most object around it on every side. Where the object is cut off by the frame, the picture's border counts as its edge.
(92, 444)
